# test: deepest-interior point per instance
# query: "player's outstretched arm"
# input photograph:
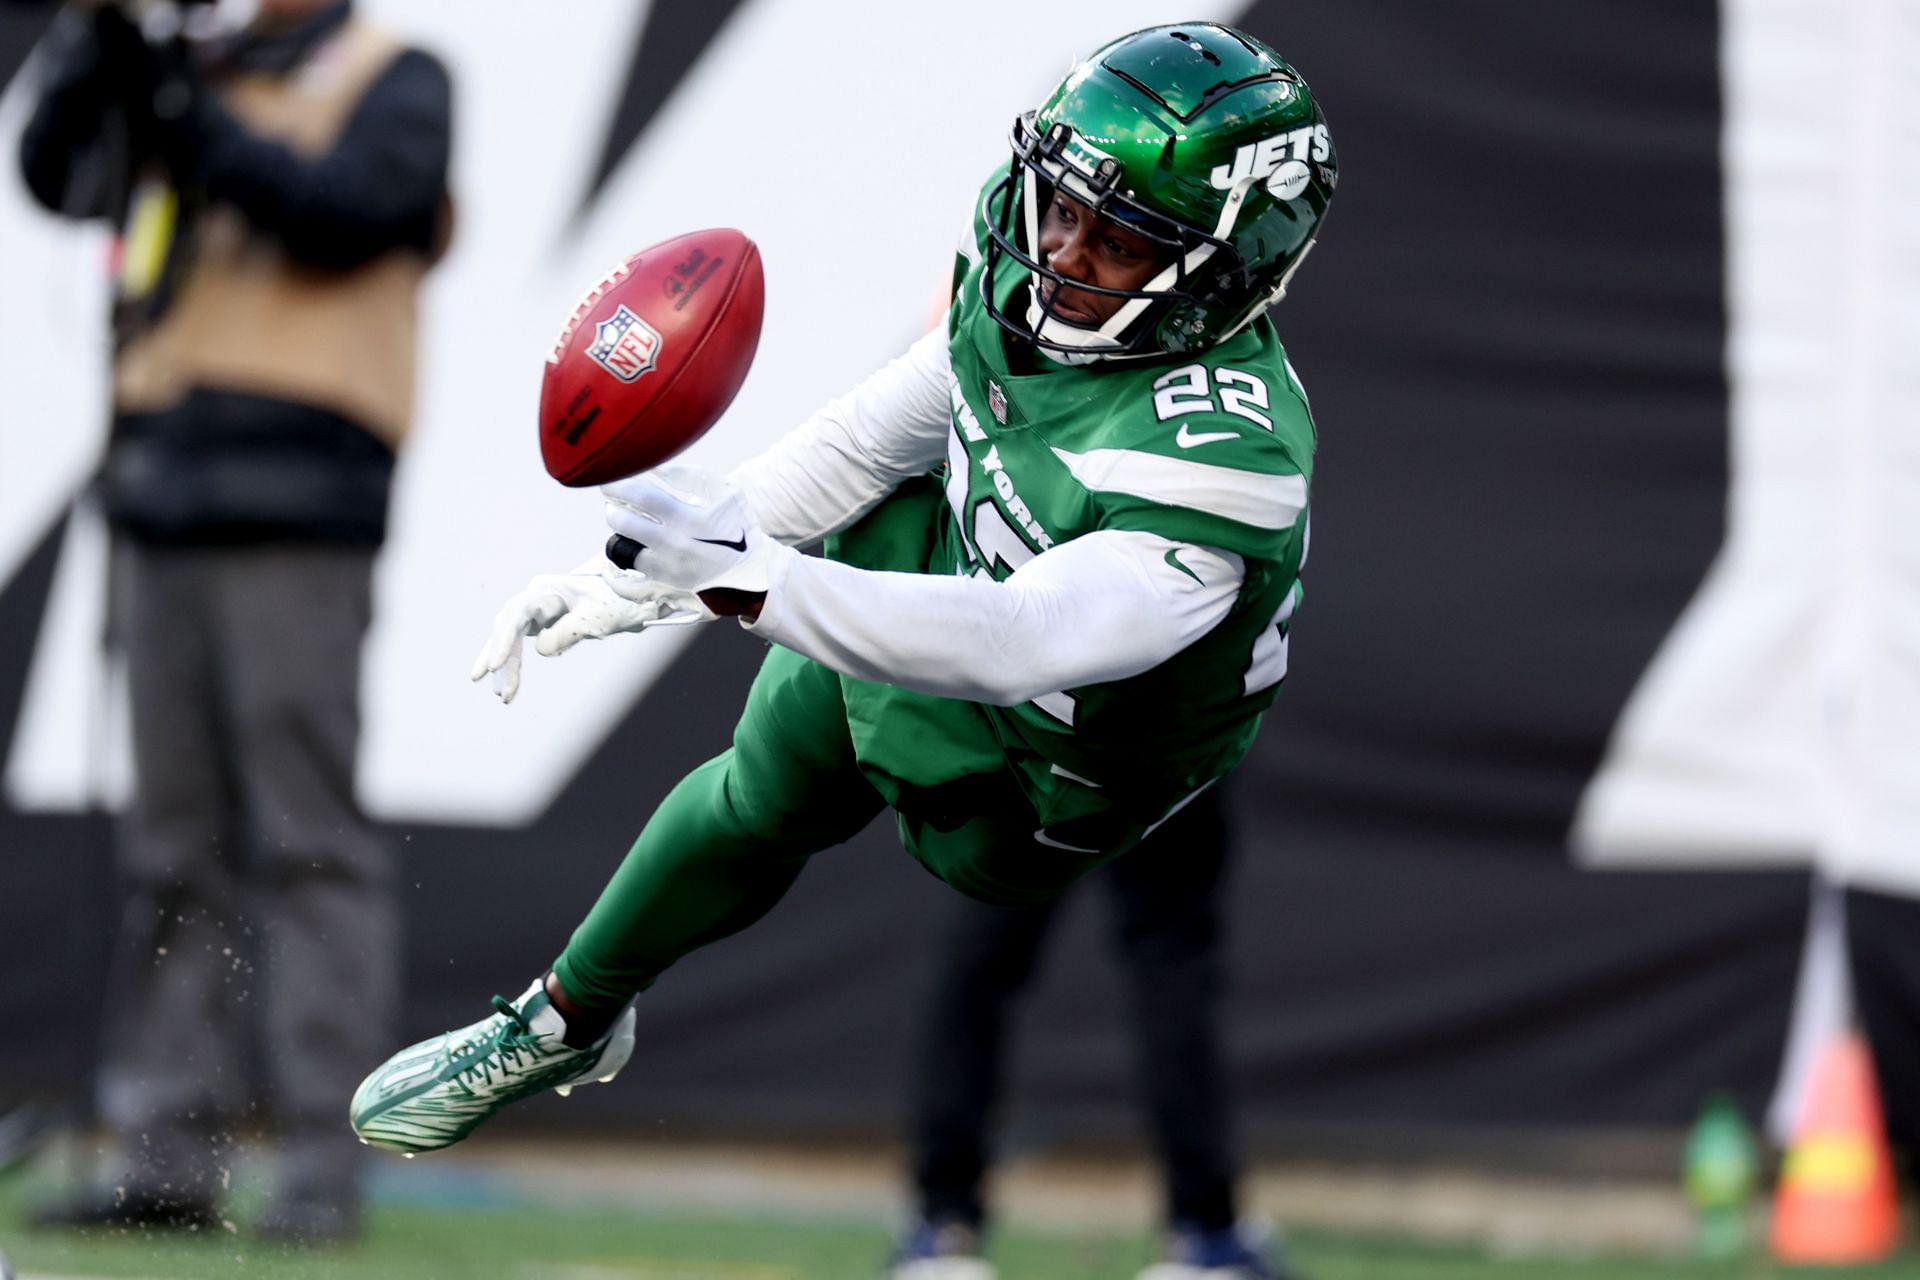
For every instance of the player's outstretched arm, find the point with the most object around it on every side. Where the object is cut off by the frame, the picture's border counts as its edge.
(1105, 606)
(559, 610)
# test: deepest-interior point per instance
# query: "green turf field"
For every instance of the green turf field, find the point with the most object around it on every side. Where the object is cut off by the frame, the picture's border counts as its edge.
(502, 1242)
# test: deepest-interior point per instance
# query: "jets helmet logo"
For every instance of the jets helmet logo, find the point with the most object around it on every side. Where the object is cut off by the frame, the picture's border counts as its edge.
(625, 345)
(1281, 160)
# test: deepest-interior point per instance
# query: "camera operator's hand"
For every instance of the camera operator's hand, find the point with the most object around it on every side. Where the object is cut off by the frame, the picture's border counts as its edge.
(156, 86)
(180, 111)
(126, 61)
(71, 138)
(123, 49)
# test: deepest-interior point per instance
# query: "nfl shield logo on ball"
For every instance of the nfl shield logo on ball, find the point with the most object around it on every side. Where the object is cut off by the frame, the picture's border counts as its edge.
(625, 345)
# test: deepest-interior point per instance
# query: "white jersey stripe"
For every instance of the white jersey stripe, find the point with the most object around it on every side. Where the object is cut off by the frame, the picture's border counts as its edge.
(1263, 501)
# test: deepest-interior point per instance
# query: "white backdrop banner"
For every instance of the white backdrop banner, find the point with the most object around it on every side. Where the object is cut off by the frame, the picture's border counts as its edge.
(1782, 718)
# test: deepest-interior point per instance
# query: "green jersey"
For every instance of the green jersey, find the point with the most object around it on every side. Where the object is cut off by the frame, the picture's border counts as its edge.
(1214, 451)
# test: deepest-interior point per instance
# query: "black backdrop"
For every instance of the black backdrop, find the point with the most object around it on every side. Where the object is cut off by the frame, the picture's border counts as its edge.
(1513, 334)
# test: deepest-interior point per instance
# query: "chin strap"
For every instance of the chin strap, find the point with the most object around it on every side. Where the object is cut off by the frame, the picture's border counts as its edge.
(1088, 345)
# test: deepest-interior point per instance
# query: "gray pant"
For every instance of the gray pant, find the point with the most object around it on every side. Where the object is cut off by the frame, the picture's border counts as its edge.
(258, 899)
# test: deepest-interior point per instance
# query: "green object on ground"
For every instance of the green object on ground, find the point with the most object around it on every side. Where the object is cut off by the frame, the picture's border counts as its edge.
(1722, 1173)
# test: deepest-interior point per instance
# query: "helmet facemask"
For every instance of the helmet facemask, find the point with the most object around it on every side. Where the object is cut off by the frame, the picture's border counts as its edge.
(1165, 314)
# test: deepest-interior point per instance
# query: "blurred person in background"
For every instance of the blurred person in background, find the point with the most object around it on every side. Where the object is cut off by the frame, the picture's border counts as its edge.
(280, 193)
(1165, 899)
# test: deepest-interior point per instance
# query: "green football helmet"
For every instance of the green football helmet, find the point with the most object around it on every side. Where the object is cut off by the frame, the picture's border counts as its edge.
(1198, 137)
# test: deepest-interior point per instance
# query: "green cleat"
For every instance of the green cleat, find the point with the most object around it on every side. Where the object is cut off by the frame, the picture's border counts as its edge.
(435, 1093)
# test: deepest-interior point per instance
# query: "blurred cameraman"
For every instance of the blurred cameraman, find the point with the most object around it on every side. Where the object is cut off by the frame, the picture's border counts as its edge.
(280, 194)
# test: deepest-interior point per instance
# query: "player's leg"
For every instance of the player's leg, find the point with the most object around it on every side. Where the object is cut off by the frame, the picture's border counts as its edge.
(986, 958)
(1166, 897)
(171, 1061)
(323, 878)
(728, 841)
(718, 853)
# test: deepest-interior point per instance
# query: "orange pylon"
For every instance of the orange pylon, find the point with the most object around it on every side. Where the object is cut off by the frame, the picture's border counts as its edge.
(1836, 1204)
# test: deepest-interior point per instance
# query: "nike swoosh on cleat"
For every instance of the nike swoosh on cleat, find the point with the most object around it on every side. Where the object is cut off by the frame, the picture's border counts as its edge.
(738, 544)
(1187, 439)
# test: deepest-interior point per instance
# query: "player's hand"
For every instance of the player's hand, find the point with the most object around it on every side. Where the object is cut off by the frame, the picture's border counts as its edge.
(562, 609)
(693, 529)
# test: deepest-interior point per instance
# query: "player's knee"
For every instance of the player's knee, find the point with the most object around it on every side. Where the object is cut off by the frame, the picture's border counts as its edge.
(793, 808)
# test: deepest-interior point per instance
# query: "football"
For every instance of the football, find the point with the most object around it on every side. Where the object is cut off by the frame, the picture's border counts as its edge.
(651, 357)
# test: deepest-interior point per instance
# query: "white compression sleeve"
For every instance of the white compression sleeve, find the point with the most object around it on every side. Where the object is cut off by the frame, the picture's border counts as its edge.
(838, 464)
(1101, 607)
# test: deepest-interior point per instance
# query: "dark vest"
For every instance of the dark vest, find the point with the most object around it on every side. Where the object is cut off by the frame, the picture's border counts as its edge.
(248, 319)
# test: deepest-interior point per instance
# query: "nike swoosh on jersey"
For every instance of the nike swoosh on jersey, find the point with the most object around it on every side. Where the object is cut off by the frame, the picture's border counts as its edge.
(1173, 558)
(737, 544)
(1187, 439)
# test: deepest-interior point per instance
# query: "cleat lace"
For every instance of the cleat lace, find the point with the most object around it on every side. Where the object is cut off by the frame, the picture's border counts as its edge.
(513, 1039)
(505, 1008)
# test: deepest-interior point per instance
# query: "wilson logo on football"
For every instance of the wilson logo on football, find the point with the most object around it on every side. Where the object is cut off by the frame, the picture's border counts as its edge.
(625, 345)
(689, 275)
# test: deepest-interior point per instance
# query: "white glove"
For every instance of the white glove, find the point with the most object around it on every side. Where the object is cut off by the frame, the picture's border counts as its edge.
(561, 609)
(693, 528)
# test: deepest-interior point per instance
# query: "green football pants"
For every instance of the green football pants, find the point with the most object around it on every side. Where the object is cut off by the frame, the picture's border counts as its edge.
(731, 838)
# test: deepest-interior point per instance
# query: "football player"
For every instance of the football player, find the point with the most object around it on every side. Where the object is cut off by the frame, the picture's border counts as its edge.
(1063, 536)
